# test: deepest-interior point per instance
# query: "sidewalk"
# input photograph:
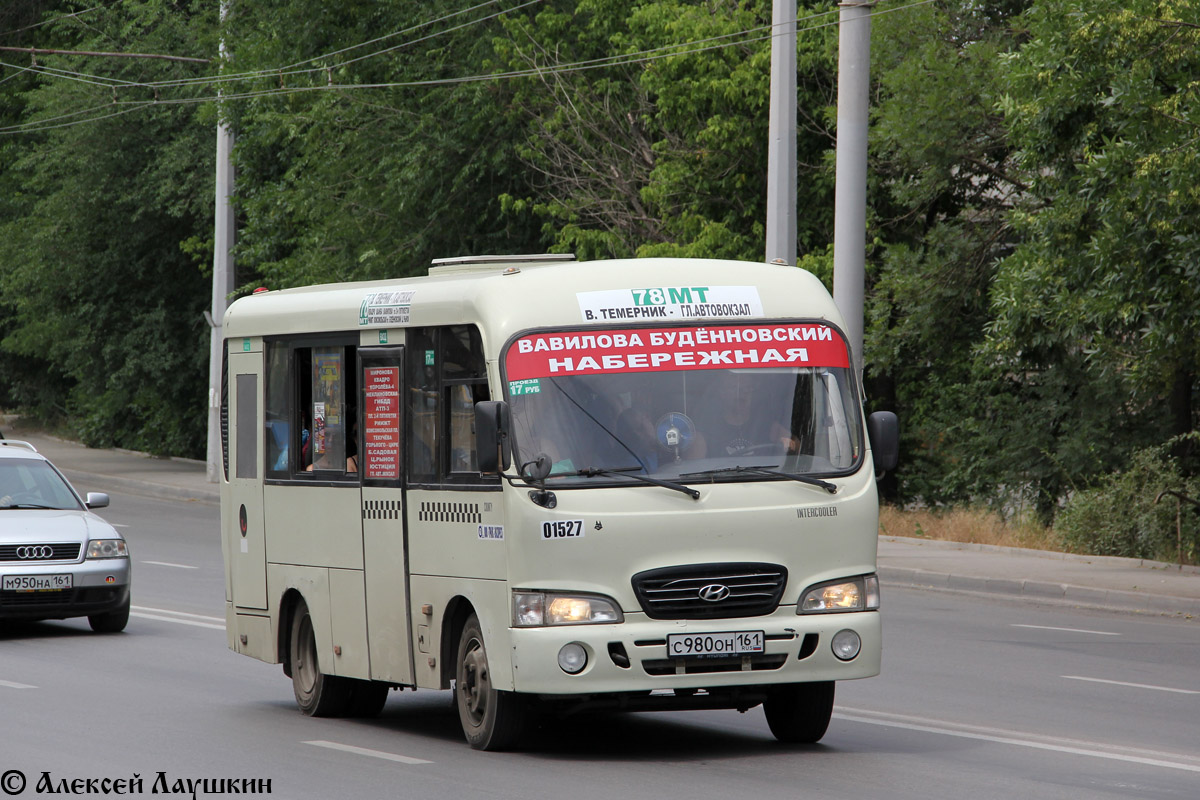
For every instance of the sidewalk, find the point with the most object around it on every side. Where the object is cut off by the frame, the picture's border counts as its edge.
(1100, 582)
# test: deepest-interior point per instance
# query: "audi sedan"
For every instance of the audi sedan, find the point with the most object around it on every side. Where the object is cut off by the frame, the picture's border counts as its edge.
(57, 558)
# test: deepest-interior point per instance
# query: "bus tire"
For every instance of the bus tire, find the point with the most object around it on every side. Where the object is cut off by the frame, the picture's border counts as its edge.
(491, 719)
(317, 694)
(798, 713)
(367, 698)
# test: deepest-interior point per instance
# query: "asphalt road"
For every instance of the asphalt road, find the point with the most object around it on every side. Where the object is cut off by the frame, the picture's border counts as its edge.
(979, 698)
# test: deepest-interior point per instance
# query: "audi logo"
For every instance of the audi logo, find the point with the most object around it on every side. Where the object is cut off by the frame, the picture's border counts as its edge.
(35, 551)
(714, 592)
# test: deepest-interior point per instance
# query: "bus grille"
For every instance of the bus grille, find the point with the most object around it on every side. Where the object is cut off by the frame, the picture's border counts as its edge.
(710, 591)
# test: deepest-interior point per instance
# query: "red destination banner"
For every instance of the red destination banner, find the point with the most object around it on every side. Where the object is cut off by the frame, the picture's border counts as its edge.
(548, 355)
(381, 415)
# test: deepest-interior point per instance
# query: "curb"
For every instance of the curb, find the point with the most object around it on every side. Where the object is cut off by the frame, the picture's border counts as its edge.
(1043, 592)
(145, 488)
(1053, 555)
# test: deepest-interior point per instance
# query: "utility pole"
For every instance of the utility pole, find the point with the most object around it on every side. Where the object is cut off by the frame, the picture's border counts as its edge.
(223, 266)
(781, 146)
(850, 193)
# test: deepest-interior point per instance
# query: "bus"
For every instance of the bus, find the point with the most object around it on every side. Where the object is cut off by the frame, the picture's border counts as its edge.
(553, 486)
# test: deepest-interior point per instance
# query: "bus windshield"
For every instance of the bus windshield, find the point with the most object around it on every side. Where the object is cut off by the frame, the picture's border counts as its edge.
(722, 400)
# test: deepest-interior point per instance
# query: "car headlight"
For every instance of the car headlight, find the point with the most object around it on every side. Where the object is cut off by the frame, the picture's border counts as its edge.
(848, 594)
(534, 609)
(107, 548)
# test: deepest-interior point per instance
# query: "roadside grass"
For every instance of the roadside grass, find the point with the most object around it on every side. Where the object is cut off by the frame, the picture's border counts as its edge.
(971, 525)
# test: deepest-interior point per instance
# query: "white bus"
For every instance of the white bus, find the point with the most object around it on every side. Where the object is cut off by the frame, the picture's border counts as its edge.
(553, 486)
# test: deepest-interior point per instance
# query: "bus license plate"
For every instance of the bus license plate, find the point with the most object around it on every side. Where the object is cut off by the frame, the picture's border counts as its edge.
(36, 583)
(733, 643)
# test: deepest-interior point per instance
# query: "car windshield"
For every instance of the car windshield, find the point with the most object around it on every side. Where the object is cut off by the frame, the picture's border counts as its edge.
(685, 403)
(32, 483)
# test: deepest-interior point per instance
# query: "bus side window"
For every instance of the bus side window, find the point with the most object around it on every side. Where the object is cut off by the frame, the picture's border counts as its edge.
(310, 411)
(447, 376)
(423, 407)
(278, 433)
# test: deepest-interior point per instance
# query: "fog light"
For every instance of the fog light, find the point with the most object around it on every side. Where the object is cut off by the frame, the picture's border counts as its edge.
(846, 645)
(572, 658)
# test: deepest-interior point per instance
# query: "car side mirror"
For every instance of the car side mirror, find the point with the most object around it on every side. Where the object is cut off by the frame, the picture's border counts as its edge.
(492, 424)
(97, 500)
(883, 428)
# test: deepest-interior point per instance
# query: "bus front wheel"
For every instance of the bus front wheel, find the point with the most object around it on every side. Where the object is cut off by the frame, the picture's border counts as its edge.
(798, 713)
(317, 694)
(491, 719)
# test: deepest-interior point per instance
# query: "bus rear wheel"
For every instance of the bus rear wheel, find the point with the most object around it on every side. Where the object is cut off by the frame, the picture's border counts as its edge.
(317, 694)
(798, 713)
(491, 719)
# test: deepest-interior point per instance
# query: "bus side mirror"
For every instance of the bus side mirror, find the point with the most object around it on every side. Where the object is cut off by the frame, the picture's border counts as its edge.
(884, 429)
(492, 423)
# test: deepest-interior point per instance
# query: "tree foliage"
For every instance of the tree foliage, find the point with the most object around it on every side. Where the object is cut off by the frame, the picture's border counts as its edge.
(1034, 257)
(98, 293)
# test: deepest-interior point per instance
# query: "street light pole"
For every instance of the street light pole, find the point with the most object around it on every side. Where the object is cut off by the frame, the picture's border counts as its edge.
(781, 135)
(850, 192)
(222, 286)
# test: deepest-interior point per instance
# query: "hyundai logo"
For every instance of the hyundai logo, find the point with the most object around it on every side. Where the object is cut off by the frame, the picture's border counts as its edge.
(35, 551)
(714, 592)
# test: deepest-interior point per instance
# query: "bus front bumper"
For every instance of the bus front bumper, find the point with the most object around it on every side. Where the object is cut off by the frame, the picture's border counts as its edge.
(632, 656)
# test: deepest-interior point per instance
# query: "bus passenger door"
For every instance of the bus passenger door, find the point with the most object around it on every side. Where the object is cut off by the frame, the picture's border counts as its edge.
(385, 550)
(246, 543)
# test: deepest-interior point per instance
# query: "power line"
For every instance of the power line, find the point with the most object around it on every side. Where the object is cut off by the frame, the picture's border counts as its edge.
(49, 51)
(291, 69)
(55, 19)
(644, 56)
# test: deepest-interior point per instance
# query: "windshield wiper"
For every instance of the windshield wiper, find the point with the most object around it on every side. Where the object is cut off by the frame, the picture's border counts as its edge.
(592, 472)
(766, 470)
(32, 505)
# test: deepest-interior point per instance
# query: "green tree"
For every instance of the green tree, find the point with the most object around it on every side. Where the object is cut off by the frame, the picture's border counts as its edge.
(96, 285)
(661, 150)
(1102, 106)
(941, 184)
(339, 182)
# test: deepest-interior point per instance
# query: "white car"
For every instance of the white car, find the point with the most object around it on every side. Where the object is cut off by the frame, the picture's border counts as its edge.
(57, 558)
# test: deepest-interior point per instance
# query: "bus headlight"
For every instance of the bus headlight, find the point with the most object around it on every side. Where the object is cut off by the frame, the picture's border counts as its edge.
(849, 594)
(534, 609)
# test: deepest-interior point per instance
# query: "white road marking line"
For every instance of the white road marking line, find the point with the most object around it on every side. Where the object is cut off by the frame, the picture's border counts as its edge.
(169, 564)
(1066, 630)
(15, 685)
(177, 621)
(362, 751)
(1132, 685)
(177, 613)
(1056, 744)
(178, 617)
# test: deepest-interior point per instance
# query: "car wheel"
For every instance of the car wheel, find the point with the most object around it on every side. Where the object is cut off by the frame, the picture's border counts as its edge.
(798, 713)
(110, 621)
(317, 694)
(491, 719)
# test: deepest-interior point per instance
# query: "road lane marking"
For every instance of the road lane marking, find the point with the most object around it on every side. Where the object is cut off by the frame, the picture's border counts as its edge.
(15, 685)
(1066, 630)
(1132, 685)
(1055, 744)
(169, 564)
(362, 751)
(178, 617)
